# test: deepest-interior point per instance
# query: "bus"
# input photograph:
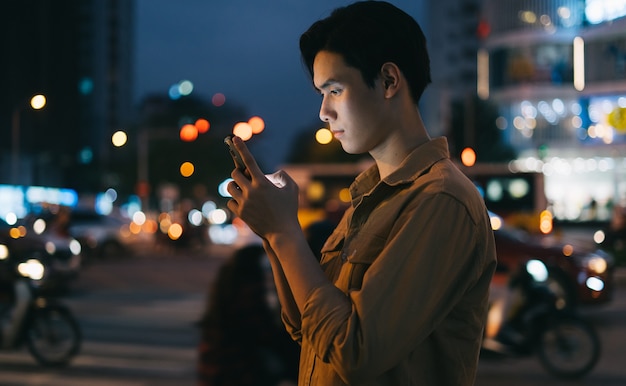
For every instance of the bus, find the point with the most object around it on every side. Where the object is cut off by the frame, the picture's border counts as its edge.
(516, 196)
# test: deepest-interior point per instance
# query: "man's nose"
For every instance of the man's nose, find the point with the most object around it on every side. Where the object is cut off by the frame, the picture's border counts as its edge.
(327, 114)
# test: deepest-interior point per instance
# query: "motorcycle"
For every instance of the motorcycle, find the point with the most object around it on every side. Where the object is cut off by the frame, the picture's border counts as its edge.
(526, 318)
(29, 317)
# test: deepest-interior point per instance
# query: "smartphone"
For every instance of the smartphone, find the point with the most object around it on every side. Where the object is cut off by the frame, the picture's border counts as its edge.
(234, 153)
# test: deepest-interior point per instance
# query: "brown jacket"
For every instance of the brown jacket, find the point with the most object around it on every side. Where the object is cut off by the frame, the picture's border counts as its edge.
(410, 262)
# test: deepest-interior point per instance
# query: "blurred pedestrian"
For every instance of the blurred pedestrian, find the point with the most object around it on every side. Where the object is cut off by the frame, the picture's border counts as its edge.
(242, 341)
(401, 293)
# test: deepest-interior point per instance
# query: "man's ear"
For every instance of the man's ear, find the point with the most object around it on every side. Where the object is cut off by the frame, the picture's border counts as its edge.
(390, 75)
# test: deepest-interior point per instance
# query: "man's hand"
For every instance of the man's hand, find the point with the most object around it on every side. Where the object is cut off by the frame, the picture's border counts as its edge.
(268, 204)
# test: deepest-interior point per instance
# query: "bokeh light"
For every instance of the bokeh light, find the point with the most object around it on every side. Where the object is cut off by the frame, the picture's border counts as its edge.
(110, 194)
(150, 226)
(175, 231)
(185, 87)
(85, 156)
(119, 138)
(568, 250)
(257, 124)
(218, 99)
(174, 92)
(344, 195)
(180, 89)
(188, 133)
(496, 222)
(165, 221)
(139, 217)
(545, 222)
(315, 191)
(599, 237)
(222, 188)
(38, 102)
(195, 217)
(243, 130)
(10, 218)
(186, 169)
(468, 156)
(4, 252)
(323, 136)
(134, 228)
(218, 216)
(208, 207)
(39, 226)
(202, 125)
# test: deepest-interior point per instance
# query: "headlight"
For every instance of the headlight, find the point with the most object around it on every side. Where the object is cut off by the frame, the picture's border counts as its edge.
(75, 247)
(595, 284)
(595, 264)
(4, 252)
(31, 268)
(537, 269)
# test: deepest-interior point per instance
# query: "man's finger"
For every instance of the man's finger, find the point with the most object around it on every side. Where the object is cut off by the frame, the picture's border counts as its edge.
(233, 189)
(248, 158)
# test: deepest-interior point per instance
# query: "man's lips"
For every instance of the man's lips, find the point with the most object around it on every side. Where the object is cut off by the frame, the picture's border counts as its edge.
(337, 133)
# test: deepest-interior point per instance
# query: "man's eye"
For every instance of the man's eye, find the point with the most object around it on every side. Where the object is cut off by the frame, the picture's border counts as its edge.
(335, 91)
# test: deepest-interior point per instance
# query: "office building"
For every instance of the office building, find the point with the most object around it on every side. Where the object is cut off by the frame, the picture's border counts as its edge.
(557, 71)
(77, 53)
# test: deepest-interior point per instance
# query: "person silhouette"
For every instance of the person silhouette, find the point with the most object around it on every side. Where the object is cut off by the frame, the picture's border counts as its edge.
(242, 341)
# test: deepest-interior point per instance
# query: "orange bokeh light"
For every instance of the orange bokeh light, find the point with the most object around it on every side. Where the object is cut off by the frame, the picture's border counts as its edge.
(187, 169)
(468, 156)
(257, 124)
(188, 133)
(175, 231)
(150, 226)
(134, 228)
(243, 130)
(202, 125)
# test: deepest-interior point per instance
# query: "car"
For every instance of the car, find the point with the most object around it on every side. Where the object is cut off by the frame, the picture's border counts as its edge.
(59, 254)
(102, 236)
(108, 235)
(579, 273)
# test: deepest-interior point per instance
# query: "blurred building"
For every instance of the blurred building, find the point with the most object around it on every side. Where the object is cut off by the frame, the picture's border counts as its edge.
(78, 54)
(451, 28)
(557, 71)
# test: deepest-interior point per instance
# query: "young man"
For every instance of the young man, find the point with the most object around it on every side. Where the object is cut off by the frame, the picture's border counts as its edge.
(400, 294)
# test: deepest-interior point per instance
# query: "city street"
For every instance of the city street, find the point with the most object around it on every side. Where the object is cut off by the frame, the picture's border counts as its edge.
(137, 316)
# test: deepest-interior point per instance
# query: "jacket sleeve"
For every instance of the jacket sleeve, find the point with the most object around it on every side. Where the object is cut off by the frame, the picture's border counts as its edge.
(290, 314)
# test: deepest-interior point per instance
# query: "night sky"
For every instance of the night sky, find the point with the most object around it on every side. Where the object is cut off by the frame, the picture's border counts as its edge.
(245, 49)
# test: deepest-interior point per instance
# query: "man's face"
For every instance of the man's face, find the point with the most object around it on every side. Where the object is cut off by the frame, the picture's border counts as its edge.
(354, 111)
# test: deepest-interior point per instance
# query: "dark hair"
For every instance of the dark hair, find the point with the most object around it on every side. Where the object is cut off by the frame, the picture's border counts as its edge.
(368, 34)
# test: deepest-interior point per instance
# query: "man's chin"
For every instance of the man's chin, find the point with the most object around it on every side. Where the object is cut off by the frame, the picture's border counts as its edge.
(350, 150)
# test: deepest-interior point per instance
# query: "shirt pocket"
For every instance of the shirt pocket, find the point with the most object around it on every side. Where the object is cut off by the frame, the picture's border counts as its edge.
(360, 255)
(332, 260)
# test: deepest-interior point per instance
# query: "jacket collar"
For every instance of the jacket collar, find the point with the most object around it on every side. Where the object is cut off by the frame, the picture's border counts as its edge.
(418, 162)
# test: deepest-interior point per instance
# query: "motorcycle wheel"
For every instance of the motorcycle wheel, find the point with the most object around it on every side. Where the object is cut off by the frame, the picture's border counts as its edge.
(568, 347)
(54, 336)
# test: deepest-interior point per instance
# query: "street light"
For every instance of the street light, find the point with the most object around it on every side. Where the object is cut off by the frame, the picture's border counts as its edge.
(37, 102)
